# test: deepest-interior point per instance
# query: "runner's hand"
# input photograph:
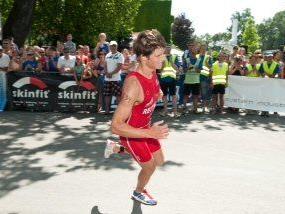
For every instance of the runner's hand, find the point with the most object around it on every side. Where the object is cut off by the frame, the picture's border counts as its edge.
(159, 130)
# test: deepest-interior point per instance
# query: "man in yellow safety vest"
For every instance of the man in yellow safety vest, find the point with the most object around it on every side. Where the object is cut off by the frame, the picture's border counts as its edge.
(269, 69)
(204, 62)
(168, 82)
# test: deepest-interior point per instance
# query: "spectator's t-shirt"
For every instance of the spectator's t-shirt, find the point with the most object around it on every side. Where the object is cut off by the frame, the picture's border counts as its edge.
(66, 63)
(71, 46)
(30, 65)
(84, 59)
(52, 64)
(43, 60)
(104, 48)
(4, 61)
(79, 71)
(112, 61)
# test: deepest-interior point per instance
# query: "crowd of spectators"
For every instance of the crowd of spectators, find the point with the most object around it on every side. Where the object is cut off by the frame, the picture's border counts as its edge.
(191, 81)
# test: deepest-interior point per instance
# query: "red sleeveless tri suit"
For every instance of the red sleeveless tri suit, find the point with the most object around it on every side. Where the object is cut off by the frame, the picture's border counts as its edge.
(142, 148)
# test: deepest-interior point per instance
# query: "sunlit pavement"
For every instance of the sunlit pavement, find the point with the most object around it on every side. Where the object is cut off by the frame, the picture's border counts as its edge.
(52, 163)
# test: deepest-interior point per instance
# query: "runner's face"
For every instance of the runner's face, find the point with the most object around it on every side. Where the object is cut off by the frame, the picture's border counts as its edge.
(156, 58)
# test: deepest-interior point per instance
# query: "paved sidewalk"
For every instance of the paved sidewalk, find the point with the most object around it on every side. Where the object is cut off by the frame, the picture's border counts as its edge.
(52, 163)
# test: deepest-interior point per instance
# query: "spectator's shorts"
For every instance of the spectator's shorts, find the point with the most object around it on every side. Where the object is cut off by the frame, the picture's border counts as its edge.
(168, 87)
(112, 88)
(141, 149)
(193, 89)
(219, 89)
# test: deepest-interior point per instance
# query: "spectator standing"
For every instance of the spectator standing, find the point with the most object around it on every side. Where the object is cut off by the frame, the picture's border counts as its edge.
(125, 66)
(15, 63)
(102, 45)
(204, 65)
(168, 82)
(7, 47)
(278, 57)
(269, 69)
(66, 63)
(252, 68)
(70, 45)
(237, 68)
(4, 63)
(52, 60)
(220, 70)
(234, 54)
(100, 69)
(113, 65)
(192, 77)
(30, 63)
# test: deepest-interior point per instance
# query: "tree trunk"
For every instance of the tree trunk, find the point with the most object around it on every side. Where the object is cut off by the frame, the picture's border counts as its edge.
(19, 22)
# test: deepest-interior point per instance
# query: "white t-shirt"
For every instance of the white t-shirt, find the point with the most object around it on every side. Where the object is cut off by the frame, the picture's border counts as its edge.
(67, 63)
(112, 61)
(4, 61)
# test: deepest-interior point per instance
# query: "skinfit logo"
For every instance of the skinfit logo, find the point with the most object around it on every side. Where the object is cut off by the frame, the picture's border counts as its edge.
(89, 93)
(39, 93)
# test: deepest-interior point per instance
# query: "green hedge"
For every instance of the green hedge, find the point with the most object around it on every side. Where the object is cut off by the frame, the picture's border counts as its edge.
(155, 14)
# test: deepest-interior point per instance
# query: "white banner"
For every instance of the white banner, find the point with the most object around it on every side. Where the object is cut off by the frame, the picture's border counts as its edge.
(262, 94)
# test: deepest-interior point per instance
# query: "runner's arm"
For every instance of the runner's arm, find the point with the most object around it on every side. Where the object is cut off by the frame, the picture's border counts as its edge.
(119, 125)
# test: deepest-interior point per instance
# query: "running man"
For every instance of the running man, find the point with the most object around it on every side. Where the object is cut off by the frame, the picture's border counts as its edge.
(132, 118)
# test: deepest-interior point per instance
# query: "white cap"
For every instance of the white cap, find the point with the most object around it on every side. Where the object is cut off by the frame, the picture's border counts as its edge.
(113, 43)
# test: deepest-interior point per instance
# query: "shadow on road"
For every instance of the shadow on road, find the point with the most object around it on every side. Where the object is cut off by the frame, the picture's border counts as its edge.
(21, 162)
(52, 134)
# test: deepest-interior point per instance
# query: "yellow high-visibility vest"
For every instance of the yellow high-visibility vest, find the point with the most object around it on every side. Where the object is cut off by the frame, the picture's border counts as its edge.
(250, 69)
(219, 76)
(205, 71)
(168, 70)
(269, 70)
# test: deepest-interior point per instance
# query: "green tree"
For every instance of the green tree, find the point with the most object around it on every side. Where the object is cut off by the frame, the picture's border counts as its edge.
(272, 31)
(6, 6)
(182, 31)
(204, 39)
(155, 14)
(51, 20)
(250, 36)
(84, 19)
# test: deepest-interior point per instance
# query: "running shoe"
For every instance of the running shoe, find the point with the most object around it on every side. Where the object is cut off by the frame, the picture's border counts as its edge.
(109, 149)
(144, 198)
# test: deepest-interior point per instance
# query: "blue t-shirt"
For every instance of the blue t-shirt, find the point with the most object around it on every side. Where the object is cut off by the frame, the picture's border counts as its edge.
(30, 65)
(104, 48)
(52, 64)
(192, 59)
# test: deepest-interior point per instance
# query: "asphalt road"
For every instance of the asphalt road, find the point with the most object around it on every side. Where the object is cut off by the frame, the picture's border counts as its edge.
(52, 163)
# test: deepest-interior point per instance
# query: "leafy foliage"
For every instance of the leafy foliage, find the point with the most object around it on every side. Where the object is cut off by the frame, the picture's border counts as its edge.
(182, 31)
(250, 36)
(155, 14)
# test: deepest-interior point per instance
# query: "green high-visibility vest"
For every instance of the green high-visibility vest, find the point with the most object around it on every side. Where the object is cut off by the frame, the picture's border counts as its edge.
(250, 69)
(168, 70)
(269, 70)
(205, 71)
(219, 76)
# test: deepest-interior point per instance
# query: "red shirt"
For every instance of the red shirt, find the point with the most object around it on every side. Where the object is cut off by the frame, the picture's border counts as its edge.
(141, 113)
